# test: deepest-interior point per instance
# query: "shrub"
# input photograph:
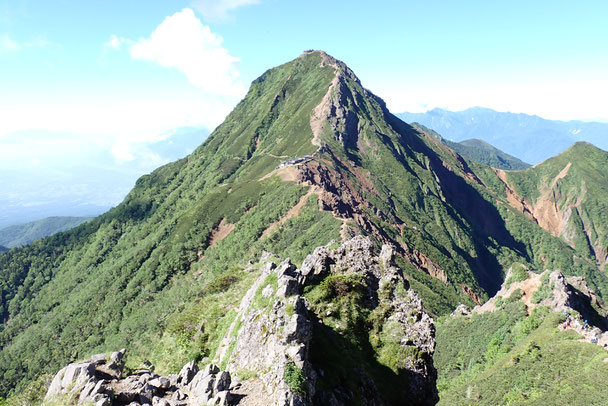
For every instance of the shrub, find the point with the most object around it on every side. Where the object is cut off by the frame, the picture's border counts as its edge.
(295, 379)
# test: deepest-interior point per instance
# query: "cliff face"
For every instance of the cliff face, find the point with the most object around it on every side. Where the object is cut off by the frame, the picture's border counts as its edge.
(280, 349)
(292, 321)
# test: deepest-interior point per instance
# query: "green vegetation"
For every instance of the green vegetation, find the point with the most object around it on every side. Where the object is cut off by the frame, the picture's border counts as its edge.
(295, 379)
(504, 357)
(484, 153)
(478, 151)
(22, 234)
(353, 344)
(544, 291)
(519, 273)
(152, 274)
(144, 275)
(259, 301)
(574, 181)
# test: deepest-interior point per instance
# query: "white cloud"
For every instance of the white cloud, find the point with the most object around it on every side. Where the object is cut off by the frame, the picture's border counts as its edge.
(115, 42)
(7, 44)
(182, 42)
(115, 124)
(582, 99)
(217, 10)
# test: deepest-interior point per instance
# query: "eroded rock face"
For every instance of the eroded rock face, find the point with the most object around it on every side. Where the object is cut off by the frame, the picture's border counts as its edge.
(273, 331)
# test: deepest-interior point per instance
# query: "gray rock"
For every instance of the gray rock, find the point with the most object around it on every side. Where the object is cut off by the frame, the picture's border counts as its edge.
(178, 395)
(103, 401)
(187, 373)
(387, 256)
(156, 401)
(55, 386)
(87, 391)
(116, 359)
(222, 382)
(73, 377)
(160, 382)
(221, 398)
(201, 388)
(99, 359)
(210, 369)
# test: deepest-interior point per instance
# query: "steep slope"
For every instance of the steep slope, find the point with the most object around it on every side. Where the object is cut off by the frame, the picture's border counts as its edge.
(511, 132)
(478, 151)
(299, 336)
(19, 235)
(482, 152)
(568, 196)
(307, 156)
(530, 344)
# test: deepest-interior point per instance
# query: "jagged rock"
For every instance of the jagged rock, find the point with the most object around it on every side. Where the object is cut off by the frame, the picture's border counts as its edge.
(275, 329)
(461, 310)
(160, 382)
(387, 256)
(103, 401)
(221, 398)
(144, 387)
(116, 360)
(73, 377)
(99, 359)
(92, 389)
(278, 335)
(222, 382)
(187, 373)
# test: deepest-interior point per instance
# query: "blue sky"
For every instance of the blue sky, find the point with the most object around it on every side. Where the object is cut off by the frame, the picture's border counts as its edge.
(129, 71)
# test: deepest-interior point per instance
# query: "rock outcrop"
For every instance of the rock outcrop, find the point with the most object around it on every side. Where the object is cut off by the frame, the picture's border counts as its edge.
(100, 381)
(368, 315)
(571, 296)
(275, 326)
(550, 288)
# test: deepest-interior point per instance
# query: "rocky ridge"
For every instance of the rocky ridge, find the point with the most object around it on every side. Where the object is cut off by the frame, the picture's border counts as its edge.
(273, 330)
(102, 381)
(265, 354)
(568, 295)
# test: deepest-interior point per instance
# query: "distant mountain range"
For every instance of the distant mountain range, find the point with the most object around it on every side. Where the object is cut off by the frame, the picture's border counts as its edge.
(23, 234)
(478, 151)
(530, 138)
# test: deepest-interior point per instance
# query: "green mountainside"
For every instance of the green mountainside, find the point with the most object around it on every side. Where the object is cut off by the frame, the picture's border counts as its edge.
(482, 152)
(23, 234)
(3, 248)
(308, 156)
(529, 345)
(479, 151)
(567, 195)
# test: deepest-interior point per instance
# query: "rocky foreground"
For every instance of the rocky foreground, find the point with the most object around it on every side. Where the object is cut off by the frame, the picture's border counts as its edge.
(271, 338)
(100, 381)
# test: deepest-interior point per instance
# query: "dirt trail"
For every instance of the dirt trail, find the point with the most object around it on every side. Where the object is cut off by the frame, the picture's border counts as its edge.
(293, 212)
(220, 232)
